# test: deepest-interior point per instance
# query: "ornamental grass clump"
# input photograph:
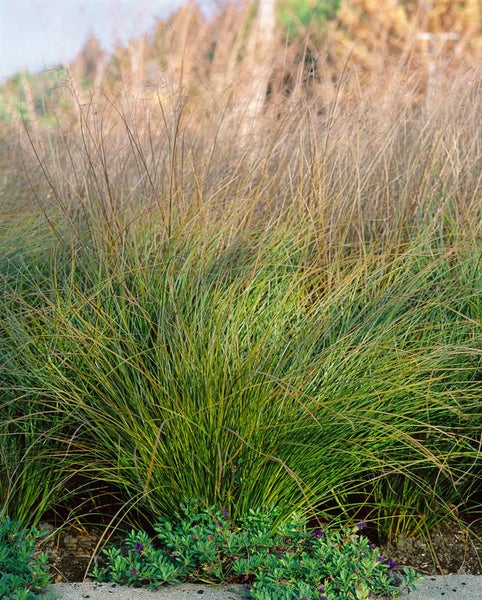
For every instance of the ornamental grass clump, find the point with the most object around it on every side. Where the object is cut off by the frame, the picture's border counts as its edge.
(293, 321)
(287, 560)
(233, 374)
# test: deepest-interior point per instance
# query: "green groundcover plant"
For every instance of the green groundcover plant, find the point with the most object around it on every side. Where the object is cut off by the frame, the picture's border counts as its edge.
(284, 561)
(23, 570)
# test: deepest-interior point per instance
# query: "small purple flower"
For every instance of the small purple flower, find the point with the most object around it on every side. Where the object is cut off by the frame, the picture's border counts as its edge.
(380, 559)
(247, 586)
(372, 546)
(133, 571)
(225, 514)
(321, 589)
(391, 564)
(139, 547)
(318, 533)
(323, 598)
(361, 525)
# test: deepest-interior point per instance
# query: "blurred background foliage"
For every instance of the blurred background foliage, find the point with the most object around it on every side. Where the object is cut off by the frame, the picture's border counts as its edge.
(315, 42)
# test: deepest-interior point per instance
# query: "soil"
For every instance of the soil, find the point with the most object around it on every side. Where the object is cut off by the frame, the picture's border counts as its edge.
(73, 553)
(449, 550)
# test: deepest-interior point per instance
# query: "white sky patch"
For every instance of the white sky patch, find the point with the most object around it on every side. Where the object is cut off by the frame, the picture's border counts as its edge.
(39, 34)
